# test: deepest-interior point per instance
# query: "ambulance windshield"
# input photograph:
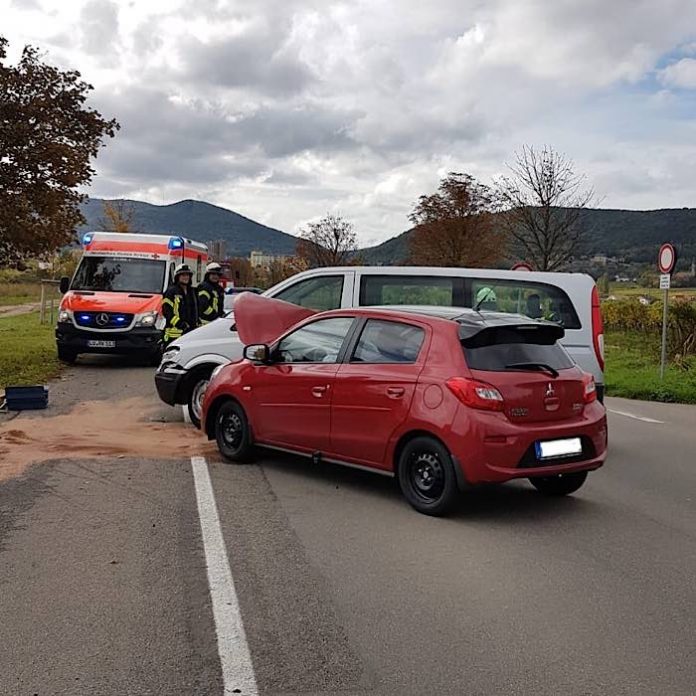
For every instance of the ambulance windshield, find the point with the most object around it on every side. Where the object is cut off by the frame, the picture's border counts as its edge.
(119, 274)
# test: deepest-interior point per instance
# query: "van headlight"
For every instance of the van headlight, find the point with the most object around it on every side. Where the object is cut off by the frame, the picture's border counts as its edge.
(147, 319)
(170, 355)
(65, 316)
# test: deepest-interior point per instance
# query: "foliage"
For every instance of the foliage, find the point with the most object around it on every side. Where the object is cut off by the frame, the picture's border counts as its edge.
(331, 241)
(118, 217)
(454, 226)
(634, 372)
(632, 316)
(47, 139)
(28, 354)
(544, 201)
(603, 285)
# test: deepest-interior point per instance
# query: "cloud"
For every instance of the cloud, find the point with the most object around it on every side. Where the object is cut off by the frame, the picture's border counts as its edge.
(681, 74)
(99, 27)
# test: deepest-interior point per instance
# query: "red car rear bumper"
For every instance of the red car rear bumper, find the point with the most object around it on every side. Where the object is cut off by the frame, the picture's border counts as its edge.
(491, 449)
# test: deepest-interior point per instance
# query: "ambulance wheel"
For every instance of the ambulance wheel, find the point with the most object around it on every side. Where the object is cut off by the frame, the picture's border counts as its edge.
(67, 355)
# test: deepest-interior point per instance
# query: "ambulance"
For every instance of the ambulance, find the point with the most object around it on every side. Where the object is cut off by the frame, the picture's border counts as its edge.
(113, 304)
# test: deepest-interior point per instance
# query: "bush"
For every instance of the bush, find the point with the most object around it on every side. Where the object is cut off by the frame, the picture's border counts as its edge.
(631, 315)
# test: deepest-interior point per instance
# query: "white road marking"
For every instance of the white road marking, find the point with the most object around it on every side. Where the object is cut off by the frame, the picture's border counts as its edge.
(639, 418)
(235, 658)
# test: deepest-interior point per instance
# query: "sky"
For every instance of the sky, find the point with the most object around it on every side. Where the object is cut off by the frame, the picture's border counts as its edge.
(285, 110)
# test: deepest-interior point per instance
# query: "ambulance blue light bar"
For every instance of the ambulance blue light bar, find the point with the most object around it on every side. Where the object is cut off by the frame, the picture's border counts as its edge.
(87, 239)
(176, 243)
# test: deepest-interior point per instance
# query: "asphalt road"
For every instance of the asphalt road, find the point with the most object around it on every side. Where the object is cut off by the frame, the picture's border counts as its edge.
(342, 588)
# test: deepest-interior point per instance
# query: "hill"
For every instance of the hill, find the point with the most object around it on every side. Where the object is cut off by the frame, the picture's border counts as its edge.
(634, 235)
(200, 221)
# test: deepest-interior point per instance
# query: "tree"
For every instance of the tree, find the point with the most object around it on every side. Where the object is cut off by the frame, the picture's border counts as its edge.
(118, 216)
(48, 137)
(545, 201)
(455, 226)
(329, 242)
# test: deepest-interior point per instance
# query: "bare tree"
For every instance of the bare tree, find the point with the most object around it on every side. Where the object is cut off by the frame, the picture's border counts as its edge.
(545, 201)
(330, 241)
(118, 216)
(455, 226)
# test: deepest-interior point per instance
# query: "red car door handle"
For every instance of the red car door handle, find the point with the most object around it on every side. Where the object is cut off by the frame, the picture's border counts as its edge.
(318, 391)
(395, 392)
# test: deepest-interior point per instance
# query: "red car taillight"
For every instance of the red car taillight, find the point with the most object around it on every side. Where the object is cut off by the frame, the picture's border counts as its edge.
(597, 328)
(589, 393)
(476, 394)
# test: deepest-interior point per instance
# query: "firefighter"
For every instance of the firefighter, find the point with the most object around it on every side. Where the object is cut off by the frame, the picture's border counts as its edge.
(211, 296)
(179, 305)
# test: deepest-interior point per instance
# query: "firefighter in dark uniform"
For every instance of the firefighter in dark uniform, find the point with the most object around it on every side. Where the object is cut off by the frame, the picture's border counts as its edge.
(211, 296)
(179, 305)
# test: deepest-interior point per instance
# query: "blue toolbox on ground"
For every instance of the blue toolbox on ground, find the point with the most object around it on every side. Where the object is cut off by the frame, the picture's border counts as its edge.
(26, 398)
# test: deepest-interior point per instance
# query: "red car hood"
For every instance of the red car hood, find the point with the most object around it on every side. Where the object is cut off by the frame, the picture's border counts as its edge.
(128, 303)
(262, 319)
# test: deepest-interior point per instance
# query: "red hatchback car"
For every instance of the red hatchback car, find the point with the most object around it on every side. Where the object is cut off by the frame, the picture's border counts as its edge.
(443, 398)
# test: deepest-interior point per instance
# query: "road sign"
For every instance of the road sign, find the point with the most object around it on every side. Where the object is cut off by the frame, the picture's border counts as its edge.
(521, 266)
(664, 281)
(666, 258)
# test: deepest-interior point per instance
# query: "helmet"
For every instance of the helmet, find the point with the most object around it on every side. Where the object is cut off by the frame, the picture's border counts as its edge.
(213, 267)
(182, 269)
(485, 294)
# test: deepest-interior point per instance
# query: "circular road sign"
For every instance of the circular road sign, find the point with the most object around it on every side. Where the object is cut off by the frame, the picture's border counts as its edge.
(521, 266)
(666, 258)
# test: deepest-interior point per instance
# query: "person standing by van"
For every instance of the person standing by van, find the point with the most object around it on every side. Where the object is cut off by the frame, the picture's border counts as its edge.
(179, 305)
(211, 296)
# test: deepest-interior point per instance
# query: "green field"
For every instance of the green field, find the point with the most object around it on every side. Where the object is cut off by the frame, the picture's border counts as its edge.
(633, 370)
(622, 290)
(19, 293)
(28, 354)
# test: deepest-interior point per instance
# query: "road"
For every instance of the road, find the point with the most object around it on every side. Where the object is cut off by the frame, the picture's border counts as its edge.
(341, 587)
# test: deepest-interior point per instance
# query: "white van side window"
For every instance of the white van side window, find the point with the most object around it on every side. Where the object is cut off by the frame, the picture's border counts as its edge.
(411, 290)
(535, 300)
(321, 293)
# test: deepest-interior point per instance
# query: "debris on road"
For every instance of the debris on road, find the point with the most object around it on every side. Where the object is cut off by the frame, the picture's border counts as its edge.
(95, 429)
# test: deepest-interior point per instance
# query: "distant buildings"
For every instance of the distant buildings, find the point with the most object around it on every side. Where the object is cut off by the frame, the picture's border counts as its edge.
(217, 250)
(258, 259)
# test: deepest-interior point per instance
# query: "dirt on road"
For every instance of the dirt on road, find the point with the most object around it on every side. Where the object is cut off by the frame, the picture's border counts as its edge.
(97, 429)
(16, 310)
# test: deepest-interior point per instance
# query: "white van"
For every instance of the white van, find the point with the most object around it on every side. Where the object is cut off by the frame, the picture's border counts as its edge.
(568, 298)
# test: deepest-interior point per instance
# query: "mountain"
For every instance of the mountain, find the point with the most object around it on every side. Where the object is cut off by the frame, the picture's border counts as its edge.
(200, 221)
(634, 235)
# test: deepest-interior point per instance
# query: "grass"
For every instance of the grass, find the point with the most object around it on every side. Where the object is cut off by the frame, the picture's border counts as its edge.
(28, 354)
(633, 370)
(622, 290)
(19, 293)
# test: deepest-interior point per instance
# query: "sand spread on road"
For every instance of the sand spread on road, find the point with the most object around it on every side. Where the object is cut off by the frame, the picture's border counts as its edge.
(97, 429)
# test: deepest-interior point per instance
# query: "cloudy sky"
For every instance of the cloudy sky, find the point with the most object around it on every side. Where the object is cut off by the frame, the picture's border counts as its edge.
(286, 109)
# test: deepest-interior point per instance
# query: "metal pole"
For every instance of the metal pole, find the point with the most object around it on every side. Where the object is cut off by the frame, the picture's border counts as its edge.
(664, 335)
(42, 313)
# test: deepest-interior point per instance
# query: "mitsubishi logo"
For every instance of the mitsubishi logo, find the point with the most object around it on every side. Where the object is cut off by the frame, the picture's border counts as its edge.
(550, 391)
(102, 319)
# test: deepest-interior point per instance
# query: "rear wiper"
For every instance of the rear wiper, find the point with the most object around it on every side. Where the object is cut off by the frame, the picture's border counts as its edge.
(533, 366)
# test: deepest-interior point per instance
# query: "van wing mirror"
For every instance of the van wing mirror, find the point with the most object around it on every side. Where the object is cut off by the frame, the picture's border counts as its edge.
(258, 353)
(64, 284)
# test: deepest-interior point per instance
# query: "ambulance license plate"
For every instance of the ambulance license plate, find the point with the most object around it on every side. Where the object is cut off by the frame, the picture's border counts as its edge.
(558, 448)
(101, 344)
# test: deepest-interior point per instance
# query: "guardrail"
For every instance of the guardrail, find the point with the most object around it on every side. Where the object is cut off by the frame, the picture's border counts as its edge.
(50, 299)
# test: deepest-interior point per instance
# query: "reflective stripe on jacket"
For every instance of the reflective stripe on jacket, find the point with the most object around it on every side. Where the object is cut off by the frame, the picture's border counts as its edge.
(211, 302)
(180, 312)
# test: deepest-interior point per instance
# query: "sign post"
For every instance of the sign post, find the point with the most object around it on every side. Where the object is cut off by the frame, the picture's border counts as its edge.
(666, 261)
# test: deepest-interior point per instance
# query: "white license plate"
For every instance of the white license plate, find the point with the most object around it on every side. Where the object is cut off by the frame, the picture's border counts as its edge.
(558, 448)
(101, 344)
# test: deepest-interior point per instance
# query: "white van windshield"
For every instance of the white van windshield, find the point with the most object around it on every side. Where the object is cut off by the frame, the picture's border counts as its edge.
(119, 274)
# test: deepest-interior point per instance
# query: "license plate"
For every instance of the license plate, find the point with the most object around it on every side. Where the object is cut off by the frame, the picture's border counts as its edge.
(558, 448)
(101, 344)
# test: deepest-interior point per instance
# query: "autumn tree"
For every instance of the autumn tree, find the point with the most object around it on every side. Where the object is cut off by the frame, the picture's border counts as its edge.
(118, 216)
(331, 241)
(455, 226)
(48, 137)
(545, 201)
